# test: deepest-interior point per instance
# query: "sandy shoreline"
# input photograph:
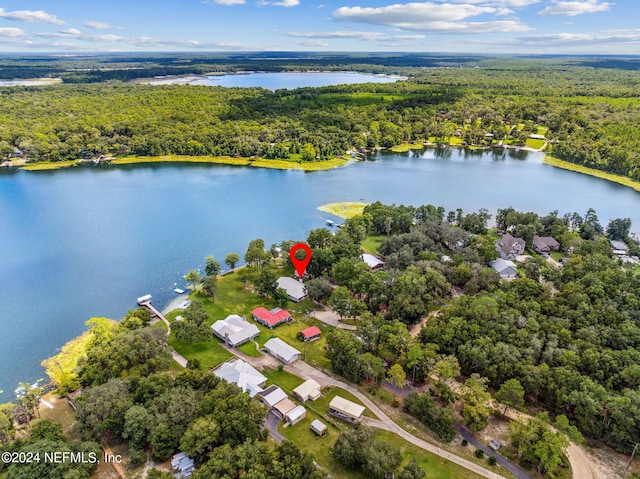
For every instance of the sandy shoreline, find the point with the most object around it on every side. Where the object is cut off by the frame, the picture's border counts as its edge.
(175, 302)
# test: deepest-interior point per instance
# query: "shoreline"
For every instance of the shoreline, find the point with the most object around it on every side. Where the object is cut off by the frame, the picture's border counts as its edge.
(169, 159)
(566, 165)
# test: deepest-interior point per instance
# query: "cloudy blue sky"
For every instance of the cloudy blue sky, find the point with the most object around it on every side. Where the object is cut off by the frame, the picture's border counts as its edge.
(484, 26)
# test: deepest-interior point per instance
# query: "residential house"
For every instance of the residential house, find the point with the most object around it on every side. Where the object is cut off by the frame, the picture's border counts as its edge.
(310, 334)
(619, 248)
(281, 350)
(505, 268)
(294, 288)
(283, 408)
(271, 396)
(243, 375)
(510, 247)
(372, 261)
(345, 409)
(235, 330)
(308, 390)
(545, 244)
(272, 318)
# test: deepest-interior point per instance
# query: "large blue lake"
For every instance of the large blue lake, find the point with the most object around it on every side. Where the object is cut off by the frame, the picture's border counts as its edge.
(276, 81)
(88, 241)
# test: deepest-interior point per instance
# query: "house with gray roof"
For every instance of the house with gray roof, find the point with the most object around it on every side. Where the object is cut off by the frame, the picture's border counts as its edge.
(505, 268)
(509, 247)
(282, 351)
(545, 244)
(294, 288)
(619, 248)
(235, 330)
(243, 375)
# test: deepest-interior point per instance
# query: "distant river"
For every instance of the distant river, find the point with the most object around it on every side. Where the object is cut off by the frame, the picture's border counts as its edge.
(276, 81)
(88, 241)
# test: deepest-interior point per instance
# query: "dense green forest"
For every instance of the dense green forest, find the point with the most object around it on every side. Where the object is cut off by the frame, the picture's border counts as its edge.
(587, 109)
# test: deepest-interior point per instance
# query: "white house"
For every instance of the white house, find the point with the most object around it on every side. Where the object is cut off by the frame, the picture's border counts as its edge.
(272, 396)
(243, 375)
(235, 330)
(505, 268)
(372, 261)
(308, 390)
(294, 288)
(281, 350)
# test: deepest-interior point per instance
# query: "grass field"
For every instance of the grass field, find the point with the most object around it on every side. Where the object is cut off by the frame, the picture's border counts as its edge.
(371, 243)
(346, 209)
(404, 147)
(209, 353)
(535, 143)
(622, 180)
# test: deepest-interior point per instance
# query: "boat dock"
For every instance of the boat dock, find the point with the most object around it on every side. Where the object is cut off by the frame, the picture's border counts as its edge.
(145, 301)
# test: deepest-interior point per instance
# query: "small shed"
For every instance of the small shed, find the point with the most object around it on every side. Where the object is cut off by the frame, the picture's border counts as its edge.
(284, 407)
(318, 427)
(281, 350)
(346, 410)
(372, 261)
(296, 415)
(308, 390)
(310, 334)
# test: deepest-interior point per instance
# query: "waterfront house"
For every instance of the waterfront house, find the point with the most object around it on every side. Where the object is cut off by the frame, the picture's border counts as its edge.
(308, 390)
(509, 247)
(310, 334)
(346, 410)
(235, 330)
(243, 375)
(281, 350)
(545, 244)
(505, 268)
(272, 318)
(294, 288)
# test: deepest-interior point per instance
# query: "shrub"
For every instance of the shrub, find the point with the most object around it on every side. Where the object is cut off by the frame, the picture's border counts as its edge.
(465, 443)
(492, 460)
(479, 453)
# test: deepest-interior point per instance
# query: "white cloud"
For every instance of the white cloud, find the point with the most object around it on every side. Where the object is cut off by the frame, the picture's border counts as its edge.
(368, 36)
(30, 16)
(71, 31)
(572, 9)
(98, 25)
(631, 37)
(311, 43)
(431, 17)
(286, 3)
(12, 32)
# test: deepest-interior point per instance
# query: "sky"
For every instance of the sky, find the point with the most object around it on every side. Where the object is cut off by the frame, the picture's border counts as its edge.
(465, 26)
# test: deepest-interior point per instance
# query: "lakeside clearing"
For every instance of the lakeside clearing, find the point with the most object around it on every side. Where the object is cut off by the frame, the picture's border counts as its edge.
(565, 165)
(222, 160)
(346, 209)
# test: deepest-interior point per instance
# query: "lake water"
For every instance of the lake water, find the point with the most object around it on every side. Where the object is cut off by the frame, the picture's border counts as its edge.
(88, 241)
(276, 81)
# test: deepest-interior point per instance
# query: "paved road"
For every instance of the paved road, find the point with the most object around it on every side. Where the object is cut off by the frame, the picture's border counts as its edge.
(305, 371)
(272, 426)
(468, 435)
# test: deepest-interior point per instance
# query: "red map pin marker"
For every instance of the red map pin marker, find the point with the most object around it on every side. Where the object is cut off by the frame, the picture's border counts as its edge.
(300, 264)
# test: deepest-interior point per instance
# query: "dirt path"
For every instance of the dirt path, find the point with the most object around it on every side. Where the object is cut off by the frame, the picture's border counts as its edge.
(416, 328)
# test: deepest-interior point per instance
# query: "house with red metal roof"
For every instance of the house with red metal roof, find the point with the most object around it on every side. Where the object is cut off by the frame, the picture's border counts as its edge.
(310, 334)
(272, 318)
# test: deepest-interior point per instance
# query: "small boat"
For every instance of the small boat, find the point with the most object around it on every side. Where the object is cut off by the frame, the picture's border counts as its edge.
(178, 291)
(329, 223)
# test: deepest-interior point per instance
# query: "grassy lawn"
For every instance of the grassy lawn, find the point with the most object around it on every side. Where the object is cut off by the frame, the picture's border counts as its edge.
(455, 141)
(371, 243)
(209, 353)
(404, 147)
(305, 166)
(558, 255)
(535, 143)
(250, 349)
(287, 381)
(623, 180)
(347, 209)
(49, 165)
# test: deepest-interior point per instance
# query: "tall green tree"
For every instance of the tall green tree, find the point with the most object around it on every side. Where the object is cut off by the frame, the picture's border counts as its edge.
(231, 260)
